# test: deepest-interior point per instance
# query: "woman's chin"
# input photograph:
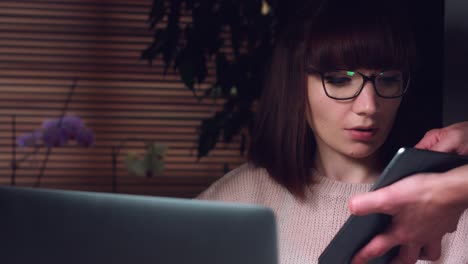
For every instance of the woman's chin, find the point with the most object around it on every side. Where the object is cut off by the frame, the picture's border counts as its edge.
(362, 152)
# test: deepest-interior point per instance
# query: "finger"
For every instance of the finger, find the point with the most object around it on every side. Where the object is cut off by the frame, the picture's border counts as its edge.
(431, 251)
(378, 246)
(430, 139)
(380, 201)
(449, 144)
(408, 254)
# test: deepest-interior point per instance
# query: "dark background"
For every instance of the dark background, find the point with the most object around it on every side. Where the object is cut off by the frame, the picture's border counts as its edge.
(428, 19)
(426, 91)
(442, 42)
(455, 84)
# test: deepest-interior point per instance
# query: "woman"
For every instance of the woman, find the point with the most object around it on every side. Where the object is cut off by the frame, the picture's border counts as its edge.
(337, 79)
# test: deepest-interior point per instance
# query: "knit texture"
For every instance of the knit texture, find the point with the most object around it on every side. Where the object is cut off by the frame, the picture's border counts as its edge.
(306, 227)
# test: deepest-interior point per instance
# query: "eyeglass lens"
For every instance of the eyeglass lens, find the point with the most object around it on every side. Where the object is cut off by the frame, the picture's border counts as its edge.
(348, 84)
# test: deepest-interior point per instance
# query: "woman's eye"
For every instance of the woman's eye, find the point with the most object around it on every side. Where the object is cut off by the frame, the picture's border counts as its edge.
(390, 80)
(335, 80)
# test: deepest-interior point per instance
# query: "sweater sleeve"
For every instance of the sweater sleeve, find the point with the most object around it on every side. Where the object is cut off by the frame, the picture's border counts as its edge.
(457, 244)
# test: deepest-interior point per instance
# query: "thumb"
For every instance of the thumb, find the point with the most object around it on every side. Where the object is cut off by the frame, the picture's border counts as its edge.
(373, 202)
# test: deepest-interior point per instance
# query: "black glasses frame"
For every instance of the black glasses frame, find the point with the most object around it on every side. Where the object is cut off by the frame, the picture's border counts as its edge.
(365, 78)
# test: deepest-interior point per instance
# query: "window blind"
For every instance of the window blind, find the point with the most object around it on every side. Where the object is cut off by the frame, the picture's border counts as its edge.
(45, 45)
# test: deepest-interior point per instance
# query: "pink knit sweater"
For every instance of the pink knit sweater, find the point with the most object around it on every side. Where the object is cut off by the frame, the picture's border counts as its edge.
(306, 228)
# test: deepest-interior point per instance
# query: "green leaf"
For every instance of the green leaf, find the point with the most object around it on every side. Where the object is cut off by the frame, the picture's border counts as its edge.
(154, 158)
(135, 166)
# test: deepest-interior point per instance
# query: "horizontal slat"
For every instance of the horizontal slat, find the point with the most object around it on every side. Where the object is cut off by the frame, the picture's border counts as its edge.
(106, 106)
(47, 44)
(36, 120)
(87, 29)
(90, 75)
(222, 151)
(104, 161)
(157, 180)
(109, 6)
(96, 10)
(82, 9)
(96, 86)
(69, 14)
(138, 189)
(89, 98)
(85, 158)
(171, 89)
(124, 22)
(105, 113)
(106, 144)
(93, 54)
(99, 129)
(105, 167)
(176, 176)
(130, 3)
(64, 59)
(83, 67)
(108, 38)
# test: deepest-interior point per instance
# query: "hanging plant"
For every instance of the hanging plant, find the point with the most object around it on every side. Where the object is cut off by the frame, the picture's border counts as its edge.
(188, 49)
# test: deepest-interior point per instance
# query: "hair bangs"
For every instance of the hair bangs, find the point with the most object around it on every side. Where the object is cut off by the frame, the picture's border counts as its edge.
(351, 40)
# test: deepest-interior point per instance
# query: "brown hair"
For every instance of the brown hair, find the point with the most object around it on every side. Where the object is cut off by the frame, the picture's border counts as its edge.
(357, 35)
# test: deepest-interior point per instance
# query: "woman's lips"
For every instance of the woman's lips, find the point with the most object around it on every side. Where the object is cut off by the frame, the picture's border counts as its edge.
(362, 133)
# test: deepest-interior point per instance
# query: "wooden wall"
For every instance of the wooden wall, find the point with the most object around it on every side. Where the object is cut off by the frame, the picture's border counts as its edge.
(45, 45)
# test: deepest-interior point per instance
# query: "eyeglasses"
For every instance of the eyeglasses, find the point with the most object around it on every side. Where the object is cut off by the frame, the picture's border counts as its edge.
(345, 84)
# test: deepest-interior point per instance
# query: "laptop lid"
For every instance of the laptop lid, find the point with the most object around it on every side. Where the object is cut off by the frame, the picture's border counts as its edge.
(56, 227)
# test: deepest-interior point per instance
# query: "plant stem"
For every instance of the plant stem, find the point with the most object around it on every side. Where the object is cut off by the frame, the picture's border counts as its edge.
(26, 156)
(49, 149)
(43, 166)
(14, 165)
(114, 168)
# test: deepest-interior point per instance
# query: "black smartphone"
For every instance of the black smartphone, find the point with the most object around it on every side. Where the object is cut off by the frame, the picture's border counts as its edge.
(357, 231)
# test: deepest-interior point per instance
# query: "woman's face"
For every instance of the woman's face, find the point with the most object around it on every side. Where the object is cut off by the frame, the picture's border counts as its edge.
(356, 127)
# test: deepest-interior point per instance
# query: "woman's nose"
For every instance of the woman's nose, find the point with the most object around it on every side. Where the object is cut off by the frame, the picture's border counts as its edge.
(366, 103)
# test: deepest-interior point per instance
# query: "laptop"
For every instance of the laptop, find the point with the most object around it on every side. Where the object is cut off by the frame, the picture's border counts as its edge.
(57, 227)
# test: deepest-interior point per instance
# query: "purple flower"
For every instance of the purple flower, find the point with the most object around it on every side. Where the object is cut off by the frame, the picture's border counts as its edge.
(49, 123)
(54, 137)
(70, 125)
(85, 137)
(57, 133)
(29, 139)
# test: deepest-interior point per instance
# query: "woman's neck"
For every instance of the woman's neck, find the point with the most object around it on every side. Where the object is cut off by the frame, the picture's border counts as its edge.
(343, 168)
